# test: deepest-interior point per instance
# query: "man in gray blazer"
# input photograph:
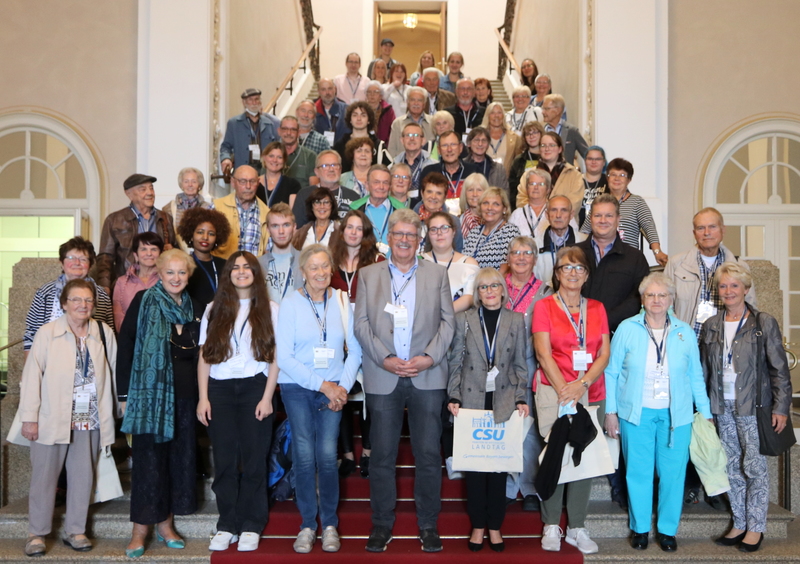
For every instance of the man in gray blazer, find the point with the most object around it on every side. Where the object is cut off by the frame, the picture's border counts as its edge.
(552, 109)
(404, 321)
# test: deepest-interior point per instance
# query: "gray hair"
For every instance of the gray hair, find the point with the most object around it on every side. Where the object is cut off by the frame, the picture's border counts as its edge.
(658, 278)
(541, 173)
(405, 215)
(429, 70)
(310, 250)
(488, 275)
(372, 83)
(447, 116)
(476, 178)
(543, 75)
(201, 180)
(418, 90)
(521, 90)
(524, 241)
(461, 81)
(325, 153)
(556, 99)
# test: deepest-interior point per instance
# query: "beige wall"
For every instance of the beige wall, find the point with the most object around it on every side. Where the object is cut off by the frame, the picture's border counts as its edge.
(729, 61)
(549, 33)
(77, 61)
(265, 40)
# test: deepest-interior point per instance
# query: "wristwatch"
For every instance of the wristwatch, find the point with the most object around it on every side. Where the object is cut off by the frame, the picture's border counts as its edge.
(584, 383)
(656, 251)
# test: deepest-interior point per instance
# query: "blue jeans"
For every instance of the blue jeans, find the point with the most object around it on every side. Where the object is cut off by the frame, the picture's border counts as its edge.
(315, 433)
(425, 424)
(645, 447)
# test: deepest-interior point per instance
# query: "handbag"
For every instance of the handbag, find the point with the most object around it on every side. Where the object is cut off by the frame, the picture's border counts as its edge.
(770, 443)
(480, 444)
(106, 478)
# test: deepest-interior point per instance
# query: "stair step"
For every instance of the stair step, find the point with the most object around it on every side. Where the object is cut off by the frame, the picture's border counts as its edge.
(105, 550)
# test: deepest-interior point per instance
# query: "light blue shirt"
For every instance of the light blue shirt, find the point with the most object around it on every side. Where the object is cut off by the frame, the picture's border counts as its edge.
(145, 225)
(596, 248)
(379, 216)
(407, 298)
(299, 333)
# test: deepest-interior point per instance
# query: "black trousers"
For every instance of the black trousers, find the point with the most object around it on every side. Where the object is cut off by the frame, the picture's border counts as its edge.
(164, 479)
(240, 443)
(486, 499)
(346, 426)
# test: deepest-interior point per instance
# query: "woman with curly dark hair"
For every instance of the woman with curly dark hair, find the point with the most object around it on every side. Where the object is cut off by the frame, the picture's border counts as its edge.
(236, 376)
(360, 118)
(320, 205)
(204, 230)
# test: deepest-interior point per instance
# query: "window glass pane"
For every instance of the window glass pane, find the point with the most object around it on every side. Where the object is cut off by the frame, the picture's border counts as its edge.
(788, 185)
(38, 145)
(759, 187)
(758, 153)
(74, 179)
(11, 145)
(754, 241)
(730, 182)
(794, 309)
(733, 239)
(794, 241)
(794, 275)
(12, 180)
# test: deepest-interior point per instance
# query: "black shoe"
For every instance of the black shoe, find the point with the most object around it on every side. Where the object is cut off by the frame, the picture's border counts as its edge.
(667, 543)
(363, 463)
(530, 503)
(347, 467)
(717, 502)
(510, 500)
(730, 541)
(475, 546)
(692, 497)
(620, 498)
(378, 539)
(744, 547)
(639, 541)
(430, 540)
(497, 547)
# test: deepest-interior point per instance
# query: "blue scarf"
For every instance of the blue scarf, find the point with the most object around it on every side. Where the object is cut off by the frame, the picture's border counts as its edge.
(151, 397)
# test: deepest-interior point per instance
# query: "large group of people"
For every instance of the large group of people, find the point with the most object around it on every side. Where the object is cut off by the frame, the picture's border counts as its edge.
(401, 248)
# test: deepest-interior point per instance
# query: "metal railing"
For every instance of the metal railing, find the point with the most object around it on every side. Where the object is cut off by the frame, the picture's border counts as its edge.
(288, 81)
(9, 345)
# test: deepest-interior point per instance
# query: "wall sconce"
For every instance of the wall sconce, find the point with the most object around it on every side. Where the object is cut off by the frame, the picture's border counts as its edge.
(410, 21)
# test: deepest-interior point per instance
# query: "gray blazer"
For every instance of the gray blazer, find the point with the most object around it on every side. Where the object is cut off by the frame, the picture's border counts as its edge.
(573, 140)
(432, 332)
(468, 364)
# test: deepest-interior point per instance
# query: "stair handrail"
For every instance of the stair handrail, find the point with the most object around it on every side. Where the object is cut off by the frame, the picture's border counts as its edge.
(9, 345)
(513, 65)
(287, 80)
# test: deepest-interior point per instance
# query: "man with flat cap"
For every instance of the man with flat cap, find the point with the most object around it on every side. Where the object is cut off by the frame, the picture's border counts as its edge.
(114, 255)
(248, 133)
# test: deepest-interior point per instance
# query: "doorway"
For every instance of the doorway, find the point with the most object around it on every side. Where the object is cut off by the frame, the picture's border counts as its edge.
(414, 27)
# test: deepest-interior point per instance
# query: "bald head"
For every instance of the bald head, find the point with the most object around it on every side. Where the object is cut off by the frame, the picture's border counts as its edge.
(245, 184)
(559, 212)
(327, 91)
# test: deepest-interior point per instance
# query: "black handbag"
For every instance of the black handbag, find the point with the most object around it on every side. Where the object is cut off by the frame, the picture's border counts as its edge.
(770, 442)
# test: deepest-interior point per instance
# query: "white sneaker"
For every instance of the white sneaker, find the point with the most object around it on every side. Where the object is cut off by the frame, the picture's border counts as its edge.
(305, 540)
(330, 539)
(452, 474)
(248, 542)
(579, 538)
(551, 538)
(222, 540)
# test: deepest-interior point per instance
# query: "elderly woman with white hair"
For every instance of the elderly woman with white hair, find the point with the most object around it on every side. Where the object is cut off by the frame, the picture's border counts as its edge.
(441, 121)
(653, 380)
(744, 364)
(504, 143)
(486, 376)
(523, 112)
(191, 182)
(384, 112)
(474, 185)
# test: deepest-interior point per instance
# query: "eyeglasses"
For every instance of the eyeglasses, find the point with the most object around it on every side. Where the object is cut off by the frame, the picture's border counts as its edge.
(403, 235)
(332, 166)
(548, 146)
(412, 135)
(617, 175)
(595, 159)
(443, 229)
(294, 129)
(579, 268)
(521, 253)
(537, 184)
(401, 176)
(246, 181)
(82, 260)
(493, 286)
(325, 203)
(450, 145)
(78, 301)
(654, 296)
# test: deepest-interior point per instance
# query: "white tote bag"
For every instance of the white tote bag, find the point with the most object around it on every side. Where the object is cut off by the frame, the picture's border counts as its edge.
(595, 461)
(106, 478)
(482, 445)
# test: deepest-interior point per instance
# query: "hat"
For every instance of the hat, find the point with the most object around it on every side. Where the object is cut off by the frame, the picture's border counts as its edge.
(251, 92)
(137, 179)
(387, 40)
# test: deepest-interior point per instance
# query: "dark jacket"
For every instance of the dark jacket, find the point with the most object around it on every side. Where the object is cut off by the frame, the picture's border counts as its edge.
(776, 385)
(515, 175)
(573, 141)
(336, 122)
(473, 117)
(238, 136)
(116, 239)
(615, 281)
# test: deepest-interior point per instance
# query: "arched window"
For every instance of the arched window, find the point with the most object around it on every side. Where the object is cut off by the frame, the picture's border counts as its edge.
(753, 179)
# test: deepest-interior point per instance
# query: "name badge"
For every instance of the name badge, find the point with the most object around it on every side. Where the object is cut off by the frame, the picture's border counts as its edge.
(705, 310)
(661, 388)
(498, 160)
(490, 379)
(581, 360)
(728, 383)
(464, 138)
(82, 400)
(383, 248)
(329, 135)
(236, 364)
(90, 388)
(413, 193)
(399, 313)
(255, 152)
(323, 356)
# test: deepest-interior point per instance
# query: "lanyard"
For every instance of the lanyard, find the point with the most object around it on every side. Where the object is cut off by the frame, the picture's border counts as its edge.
(349, 278)
(321, 321)
(354, 88)
(385, 224)
(437, 262)
(490, 349)
(518, 124)
(330, 222)
(398, 293)
(729, 347)
(275, 275)
(512, 303)
(577, 327)
(453, 191)
(486, 240)
(212, 281)
(533, 226)
(467, 116)
(496, 148)
(85, 360)
(241, 332)
(660, 352)
(271, 196)
(416, 170)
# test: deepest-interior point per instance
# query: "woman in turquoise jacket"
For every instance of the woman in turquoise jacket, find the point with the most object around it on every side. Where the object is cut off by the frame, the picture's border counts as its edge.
(653, 378)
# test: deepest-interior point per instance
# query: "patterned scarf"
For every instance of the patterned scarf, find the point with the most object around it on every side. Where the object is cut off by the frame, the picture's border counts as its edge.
(151, 396)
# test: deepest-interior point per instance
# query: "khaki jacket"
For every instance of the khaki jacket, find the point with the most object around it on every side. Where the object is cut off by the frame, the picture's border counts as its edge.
(48, 377)
(569, 184)
(227, 206)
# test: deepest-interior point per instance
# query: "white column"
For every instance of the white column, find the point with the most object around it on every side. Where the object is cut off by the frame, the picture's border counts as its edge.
(630, 91)
(173, 128)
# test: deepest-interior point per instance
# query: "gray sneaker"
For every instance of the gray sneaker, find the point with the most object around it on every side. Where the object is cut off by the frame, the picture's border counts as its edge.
(305, 541)
(330, 539)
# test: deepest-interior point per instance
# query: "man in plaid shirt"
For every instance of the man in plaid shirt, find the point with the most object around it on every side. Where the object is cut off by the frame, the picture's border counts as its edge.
(309, 137)
(246, 214)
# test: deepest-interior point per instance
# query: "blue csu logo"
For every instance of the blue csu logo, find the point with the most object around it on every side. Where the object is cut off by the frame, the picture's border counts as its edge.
(489, 433)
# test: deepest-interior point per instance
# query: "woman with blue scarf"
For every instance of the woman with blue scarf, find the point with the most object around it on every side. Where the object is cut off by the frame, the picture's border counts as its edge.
(653, 378)
(157, 389)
